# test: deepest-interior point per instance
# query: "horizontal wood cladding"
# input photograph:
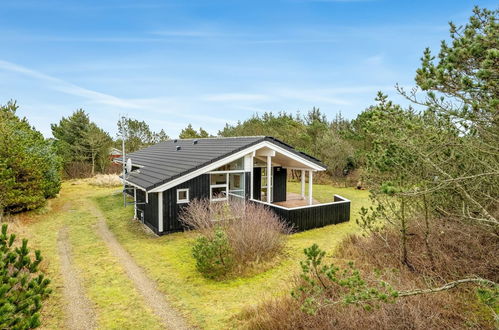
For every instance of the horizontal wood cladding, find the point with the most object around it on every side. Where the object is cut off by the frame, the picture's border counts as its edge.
(150, 210)
(314, 217)
(199, 188)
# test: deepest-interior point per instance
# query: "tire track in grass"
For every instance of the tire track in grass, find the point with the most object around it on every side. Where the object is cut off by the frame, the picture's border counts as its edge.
(78, 307)
(148, 288)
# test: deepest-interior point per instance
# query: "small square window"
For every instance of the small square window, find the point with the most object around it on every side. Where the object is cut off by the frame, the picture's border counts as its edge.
(182, 196)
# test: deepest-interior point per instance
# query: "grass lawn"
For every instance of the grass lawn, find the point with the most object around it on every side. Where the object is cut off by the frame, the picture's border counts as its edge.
(167, 260)
(213, 304)
(115, 302)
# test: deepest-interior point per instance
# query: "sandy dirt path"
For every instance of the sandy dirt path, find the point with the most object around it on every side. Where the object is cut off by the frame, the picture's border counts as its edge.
(80, 314)
(144, 285)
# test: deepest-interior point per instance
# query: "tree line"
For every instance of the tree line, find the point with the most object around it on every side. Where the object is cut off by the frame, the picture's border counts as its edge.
(455, 133)
(432, 169)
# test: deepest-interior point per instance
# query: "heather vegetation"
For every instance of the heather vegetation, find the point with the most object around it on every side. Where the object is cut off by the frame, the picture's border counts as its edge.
(428, 258)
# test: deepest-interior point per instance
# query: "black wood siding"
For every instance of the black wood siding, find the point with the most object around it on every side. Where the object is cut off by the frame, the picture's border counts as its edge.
(150, 209)
(257, 183)
(280, 181)
(199, 188)
(314, 217)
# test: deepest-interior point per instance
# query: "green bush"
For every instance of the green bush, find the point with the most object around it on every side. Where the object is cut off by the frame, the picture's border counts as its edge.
(214, 257)
(29, 168)
(22, 285)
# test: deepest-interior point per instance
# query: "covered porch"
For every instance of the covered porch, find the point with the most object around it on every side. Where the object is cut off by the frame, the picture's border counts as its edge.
(269, 172)
(295, 200)
(268, 186)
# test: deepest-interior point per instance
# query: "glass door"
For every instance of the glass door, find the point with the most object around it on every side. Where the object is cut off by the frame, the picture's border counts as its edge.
(265, 185)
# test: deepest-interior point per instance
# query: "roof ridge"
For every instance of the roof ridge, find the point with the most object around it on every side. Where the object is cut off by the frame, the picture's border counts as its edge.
(220, 138)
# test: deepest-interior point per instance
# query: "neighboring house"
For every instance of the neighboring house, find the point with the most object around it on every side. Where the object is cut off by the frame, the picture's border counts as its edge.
(166, 176)
(114, 153)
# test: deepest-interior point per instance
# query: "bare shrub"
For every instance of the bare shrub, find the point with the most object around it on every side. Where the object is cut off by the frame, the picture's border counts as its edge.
(77, 170)
(106, 180)
(112, 168)
(443, 311)
(255, 233)
(203, 215)
(460, 250)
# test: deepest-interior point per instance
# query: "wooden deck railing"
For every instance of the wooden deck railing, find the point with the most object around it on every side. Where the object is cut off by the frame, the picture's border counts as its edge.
(313, 216)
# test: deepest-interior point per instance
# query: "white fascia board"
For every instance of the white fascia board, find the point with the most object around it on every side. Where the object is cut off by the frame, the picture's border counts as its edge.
(132, 184)
(120, 162)
(230, 158)
(298, 168)
(293, 156)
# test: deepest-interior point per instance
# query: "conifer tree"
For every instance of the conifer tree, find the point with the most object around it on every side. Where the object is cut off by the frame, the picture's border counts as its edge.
(22, 286)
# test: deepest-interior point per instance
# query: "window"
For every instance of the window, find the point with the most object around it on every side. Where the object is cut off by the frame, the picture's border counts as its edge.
(228, 181)
(182, 196)
(220, 178)
(236, 184)
(218, 192)
(237, 165)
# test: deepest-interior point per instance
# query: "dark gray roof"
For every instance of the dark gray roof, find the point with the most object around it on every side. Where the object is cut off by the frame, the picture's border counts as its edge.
(162, 162)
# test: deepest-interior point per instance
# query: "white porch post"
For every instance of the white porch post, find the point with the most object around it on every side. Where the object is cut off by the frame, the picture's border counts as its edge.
(160, 211)
(135, 203)
(302, 184)
(252, 163)
(310, 198)
(269, 179)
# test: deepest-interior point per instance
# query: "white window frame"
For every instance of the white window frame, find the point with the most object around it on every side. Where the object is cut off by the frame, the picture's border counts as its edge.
(226, 186)
(234, 192)
(182, 201)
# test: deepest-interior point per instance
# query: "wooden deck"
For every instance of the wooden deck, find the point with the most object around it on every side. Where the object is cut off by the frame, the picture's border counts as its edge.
(295, 200)
(301, 216)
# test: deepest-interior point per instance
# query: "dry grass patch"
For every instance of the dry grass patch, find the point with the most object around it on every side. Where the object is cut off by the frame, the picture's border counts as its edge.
(212, 304)
(460, 250)
(106, 180)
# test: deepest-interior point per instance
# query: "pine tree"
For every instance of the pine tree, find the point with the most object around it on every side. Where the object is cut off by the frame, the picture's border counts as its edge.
(22, 286)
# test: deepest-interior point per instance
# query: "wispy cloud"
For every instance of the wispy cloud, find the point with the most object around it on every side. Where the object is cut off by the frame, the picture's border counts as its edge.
(253, 109)
(233, 97)
(66, 87)
(315, 96)
(375, 60)
(161, 105)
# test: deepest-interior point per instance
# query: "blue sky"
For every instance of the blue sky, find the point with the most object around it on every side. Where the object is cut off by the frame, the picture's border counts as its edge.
(171, 63)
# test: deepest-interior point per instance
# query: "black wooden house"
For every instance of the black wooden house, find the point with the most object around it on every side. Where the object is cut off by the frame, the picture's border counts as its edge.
(166, 176)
